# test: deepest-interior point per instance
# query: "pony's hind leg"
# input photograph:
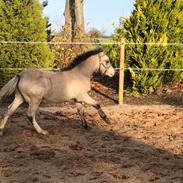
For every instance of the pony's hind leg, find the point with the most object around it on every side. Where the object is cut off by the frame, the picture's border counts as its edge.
(11, 109)
(81, 114)
(31, 114)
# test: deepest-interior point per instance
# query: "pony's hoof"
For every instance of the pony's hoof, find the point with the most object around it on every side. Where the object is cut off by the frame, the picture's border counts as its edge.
(44, 132)
(1, 133)
(107, 120)
(86, 127)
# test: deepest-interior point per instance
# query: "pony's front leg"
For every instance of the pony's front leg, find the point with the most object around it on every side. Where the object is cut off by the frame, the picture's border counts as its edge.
(88, 100)
(102, 114)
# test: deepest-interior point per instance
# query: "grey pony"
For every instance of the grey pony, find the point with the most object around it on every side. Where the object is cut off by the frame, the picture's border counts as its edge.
(73, 83)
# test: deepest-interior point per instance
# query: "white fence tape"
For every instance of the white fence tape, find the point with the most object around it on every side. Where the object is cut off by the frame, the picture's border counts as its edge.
(117, 69)
(90, 43)
(94, 43)
(149, 69)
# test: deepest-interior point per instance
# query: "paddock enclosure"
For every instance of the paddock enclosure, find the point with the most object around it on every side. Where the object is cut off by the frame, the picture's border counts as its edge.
(143, 144)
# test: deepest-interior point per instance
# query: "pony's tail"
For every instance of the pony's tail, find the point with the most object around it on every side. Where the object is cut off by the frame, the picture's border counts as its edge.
(10, 87)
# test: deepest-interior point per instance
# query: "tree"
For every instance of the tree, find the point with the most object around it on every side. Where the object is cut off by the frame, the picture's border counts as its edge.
(74, 18)
(73, 30)
(48, 24)
(147, 24)
(23, 21)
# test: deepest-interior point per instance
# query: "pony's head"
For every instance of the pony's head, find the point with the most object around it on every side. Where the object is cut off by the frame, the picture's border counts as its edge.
(105, 67)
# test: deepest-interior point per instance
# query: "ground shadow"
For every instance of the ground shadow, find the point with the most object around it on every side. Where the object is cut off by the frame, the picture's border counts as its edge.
(72, 154)
(110, 96)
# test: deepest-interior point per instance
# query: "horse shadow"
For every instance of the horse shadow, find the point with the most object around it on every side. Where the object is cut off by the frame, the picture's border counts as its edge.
(173, 98)
(73, 154)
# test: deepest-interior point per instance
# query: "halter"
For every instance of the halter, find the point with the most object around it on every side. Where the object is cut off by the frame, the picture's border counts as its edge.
(102, 64)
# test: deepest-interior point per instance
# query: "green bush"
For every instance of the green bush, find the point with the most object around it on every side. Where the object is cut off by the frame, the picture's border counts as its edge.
(149, 25)
(23, 21)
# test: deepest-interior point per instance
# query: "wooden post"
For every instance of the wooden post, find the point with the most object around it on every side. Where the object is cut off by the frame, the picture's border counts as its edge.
(121, 72)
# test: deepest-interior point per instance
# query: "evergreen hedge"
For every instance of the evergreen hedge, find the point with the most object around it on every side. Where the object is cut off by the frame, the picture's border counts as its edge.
(22, 20)
(151, 21)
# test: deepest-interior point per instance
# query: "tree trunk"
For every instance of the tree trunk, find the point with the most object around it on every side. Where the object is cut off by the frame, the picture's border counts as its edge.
(68, 19)
(79, 22)
(74, 18)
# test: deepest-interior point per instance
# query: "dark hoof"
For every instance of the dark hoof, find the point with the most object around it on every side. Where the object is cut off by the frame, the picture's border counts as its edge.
(1, 133)
(86, 127)
(107, 120)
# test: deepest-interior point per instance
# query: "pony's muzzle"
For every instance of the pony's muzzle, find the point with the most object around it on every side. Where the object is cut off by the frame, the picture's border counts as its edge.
(110, 72)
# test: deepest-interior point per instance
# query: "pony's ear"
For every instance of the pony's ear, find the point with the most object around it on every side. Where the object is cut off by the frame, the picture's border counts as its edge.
(100, 49)
(102, 52)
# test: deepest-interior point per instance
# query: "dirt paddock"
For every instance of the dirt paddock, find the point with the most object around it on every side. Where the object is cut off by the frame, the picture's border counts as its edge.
(143, 144)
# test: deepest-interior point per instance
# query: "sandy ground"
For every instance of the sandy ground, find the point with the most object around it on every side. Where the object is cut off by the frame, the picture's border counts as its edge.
(143, 144)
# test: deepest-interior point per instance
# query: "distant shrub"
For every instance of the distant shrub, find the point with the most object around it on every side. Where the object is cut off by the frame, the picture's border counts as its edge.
(95, 33)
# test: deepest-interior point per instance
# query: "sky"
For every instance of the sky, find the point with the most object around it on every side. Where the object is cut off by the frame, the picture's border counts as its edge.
(101, 14)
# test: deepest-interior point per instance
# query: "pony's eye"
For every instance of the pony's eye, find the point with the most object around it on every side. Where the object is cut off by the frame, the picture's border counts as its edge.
(107, 62)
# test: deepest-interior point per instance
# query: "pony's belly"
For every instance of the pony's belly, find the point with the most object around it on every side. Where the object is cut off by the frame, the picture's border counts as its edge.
(64, 95)
(56, 98)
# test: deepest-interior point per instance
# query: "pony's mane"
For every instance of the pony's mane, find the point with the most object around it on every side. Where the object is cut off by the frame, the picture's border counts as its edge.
(81, 58)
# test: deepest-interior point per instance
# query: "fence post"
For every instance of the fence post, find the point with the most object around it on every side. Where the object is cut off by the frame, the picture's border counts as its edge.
(121, 72)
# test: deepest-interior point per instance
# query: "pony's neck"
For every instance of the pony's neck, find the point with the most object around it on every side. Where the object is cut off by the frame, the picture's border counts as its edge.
(88, 67)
